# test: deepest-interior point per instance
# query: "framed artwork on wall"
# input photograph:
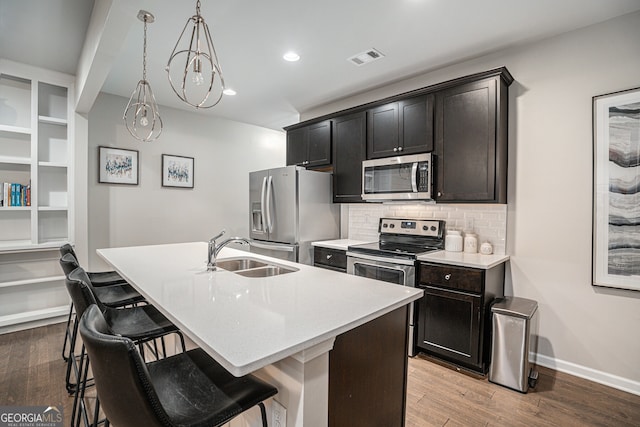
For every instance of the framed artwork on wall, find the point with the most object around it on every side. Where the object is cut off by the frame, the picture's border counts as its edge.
(177, 171)
(117, 166)
(616, 190)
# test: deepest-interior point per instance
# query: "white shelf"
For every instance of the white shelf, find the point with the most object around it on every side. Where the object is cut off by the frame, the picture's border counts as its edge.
(15, 160)
(52, 164)
(30, 316)
(52, 120)
(52, 208)
(15, 129)
(31, 281)
(15, 208)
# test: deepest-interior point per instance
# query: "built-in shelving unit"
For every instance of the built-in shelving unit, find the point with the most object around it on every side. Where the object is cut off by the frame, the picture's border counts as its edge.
(36, 150)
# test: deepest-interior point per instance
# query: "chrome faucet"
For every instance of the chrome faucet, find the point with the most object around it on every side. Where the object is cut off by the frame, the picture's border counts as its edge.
(215, 248)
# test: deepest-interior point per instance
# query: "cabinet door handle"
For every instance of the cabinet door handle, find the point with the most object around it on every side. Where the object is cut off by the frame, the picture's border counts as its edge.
(447, 276)
(439, 193)
(399, 148)
(395, 149)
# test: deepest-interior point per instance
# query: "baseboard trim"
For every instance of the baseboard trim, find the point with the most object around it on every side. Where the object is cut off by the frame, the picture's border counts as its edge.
(590, 374)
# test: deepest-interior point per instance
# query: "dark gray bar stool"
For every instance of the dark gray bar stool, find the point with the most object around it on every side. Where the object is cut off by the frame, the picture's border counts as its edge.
(188, 390)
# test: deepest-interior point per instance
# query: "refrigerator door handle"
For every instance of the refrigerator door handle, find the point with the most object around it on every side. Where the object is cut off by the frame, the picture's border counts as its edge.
(263, 205)
(284, 248)
(268, 209)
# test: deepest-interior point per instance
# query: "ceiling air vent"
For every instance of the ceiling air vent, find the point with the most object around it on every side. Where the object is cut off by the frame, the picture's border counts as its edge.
(365, 57)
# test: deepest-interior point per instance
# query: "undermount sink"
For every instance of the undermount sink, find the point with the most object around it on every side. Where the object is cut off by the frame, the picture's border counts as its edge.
(251, 267)
(235, 264)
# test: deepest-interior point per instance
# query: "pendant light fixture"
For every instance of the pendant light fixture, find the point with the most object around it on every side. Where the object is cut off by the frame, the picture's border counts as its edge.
(194, 66)
(141, 115)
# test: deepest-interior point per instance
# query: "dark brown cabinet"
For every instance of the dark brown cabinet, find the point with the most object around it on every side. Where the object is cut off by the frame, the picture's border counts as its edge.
(349, 133)
(310, 146)
(332, 259)
(471, 142)
(453, 316)
(398, 128)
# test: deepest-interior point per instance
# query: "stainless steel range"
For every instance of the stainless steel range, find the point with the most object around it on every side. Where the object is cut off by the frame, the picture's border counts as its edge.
(393, 257)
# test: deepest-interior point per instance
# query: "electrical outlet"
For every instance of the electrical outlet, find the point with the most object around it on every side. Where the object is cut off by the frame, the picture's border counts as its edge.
(278, 414)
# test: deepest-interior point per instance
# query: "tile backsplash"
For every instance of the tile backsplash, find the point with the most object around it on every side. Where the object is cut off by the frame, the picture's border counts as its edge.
(489, 222)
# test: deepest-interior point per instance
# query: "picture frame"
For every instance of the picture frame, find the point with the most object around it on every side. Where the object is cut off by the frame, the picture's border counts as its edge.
(177, 171)
(616, 190)
(117, 166)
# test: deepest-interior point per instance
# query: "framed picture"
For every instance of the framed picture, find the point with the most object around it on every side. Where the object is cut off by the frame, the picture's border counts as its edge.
(177, 171)
(117, 166)
(616, 190)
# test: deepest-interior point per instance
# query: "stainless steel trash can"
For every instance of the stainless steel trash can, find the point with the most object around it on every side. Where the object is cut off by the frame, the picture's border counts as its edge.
(515, 335)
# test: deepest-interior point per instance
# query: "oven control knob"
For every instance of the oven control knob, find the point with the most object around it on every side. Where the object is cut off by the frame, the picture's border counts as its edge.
(433, 228)
(425, 228)
(391, 225)
(385, 225)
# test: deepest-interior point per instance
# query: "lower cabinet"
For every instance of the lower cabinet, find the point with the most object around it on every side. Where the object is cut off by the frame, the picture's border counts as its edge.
(454, 315)
(332, 259)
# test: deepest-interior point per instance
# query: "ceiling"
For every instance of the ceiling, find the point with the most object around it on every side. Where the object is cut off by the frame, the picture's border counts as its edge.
(251, 36)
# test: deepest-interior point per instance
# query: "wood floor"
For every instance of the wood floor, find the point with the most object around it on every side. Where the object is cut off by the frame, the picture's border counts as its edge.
(32, 373)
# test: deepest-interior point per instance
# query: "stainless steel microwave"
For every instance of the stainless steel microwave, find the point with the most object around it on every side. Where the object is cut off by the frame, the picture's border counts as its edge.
(397, 178)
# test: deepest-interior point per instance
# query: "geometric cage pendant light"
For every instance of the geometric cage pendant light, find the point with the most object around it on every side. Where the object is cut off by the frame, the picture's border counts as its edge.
(141, 115)
(193, 68)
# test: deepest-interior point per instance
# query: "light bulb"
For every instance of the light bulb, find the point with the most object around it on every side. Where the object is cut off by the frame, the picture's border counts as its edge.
(143, 120)
(197, 79)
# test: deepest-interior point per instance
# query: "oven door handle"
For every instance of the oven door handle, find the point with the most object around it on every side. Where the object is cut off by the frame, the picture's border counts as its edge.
(388, 260)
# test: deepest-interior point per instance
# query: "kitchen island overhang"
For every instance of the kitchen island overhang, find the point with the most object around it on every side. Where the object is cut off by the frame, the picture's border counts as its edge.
(280, 327)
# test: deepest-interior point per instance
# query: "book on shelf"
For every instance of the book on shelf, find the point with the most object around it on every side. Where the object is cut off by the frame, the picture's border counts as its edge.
(15, 194)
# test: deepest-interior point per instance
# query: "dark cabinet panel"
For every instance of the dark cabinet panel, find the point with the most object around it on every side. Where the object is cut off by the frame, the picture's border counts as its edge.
(382, 131)
(348, 153)
(416, 124)
(449, 324)
(453, 317)
(310, 146)
(333, 259)
(471, 142)
(398, 128)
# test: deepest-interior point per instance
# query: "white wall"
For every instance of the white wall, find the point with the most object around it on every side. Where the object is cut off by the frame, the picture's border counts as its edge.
(585, 330)
(225, 152)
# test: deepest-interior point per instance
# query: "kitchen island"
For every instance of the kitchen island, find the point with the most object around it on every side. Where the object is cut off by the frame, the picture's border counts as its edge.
(334, 344)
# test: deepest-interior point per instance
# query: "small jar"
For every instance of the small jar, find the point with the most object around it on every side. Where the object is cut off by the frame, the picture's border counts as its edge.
(471, 243)
(486, 248)
(453, 241)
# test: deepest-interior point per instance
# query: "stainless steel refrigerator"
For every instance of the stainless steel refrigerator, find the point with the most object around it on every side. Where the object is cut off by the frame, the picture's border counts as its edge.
(289, 208)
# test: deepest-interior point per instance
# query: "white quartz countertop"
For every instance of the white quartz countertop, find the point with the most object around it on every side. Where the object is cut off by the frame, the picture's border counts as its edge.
(248, 323)
(340, 244)
(464, 259)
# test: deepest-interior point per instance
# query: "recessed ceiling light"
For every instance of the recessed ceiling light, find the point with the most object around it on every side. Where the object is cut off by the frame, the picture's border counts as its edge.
(229, 92)
(291, 57)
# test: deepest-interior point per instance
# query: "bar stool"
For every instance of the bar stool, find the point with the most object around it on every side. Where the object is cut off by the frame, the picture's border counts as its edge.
(188, 390)
(141, 324)
(113, 291)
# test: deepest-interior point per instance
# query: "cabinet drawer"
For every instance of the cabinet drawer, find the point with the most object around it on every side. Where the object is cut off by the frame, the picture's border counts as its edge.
(459, 278)
(334, 258)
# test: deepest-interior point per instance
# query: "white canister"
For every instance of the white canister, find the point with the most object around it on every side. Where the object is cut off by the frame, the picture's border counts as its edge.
(453, 241)
(471, 243)
(486, 248)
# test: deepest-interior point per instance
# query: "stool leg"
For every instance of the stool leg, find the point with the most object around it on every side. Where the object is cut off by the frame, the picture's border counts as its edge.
(71, 387)
(263, 412)
(67, 334)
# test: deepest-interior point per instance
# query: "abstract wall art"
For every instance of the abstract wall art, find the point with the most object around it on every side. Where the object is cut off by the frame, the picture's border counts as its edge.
(117, 166)
(177, 171)
(616, 190)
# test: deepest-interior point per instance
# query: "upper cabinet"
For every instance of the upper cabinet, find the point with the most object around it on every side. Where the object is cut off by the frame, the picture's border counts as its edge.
(402, 127)
(349, 137)
(462, 121)
(310, 146)
(471, 142)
